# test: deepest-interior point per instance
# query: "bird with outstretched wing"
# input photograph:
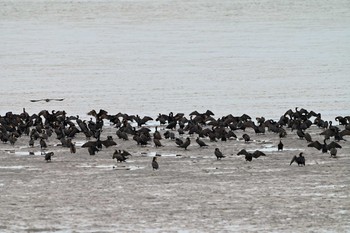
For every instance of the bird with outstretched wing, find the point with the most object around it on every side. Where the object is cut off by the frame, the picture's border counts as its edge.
(46, 100)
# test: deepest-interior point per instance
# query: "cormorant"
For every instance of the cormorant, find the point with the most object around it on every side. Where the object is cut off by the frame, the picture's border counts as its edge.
(280, 146)
(178, 141)
(218, 154)
(92, 150)
(157, 142)
(248, 156)
(246, 137)
(119, 156)
(324, 147)
(333, 152)
(186, 143)
(308, 137)
(155, 165)
(48, 156)
(42, 144)
(200, 142)
(300, 160)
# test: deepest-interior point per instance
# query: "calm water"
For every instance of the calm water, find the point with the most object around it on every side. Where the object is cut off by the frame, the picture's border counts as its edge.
(148, 57)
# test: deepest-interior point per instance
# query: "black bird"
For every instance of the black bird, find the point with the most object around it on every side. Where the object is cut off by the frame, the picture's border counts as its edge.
(42, 144)
(72, 147)
(155, 164)
(256, 154)
(108, 142)
(300, 134)
(157, 142)
(300, 160)
(119, 156)
(333, 151)
(308, 137)
(186, 143)
(46, 100)
(218, 154)
(324, 147)
(92, 150)
(248, 156)
(246, 137)
(280, 146)
(157, 135)
(178, 141)
(48, 156)
(125, 153)
(200, 142)
(31, 142)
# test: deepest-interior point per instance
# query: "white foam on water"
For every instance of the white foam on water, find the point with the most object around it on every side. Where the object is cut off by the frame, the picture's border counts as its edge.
(152, 154)
(12, 167)
(27, 153)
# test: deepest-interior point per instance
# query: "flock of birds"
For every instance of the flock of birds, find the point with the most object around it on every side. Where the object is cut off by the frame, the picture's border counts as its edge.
(41, 126)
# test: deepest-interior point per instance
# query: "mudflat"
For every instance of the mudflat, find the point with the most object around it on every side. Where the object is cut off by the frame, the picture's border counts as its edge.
(191, 191)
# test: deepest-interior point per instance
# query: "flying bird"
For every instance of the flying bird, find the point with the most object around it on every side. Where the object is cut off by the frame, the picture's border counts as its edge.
(46, 100)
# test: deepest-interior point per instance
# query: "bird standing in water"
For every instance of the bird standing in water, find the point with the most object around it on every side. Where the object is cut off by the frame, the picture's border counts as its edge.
(48, 156)
(280, 146)
(218, 154)
(300, 160)
(155, 164)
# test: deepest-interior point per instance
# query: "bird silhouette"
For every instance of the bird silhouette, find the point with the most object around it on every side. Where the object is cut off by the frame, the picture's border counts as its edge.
(200, 142)
(119, 156)
(46, 100)
(324, 147)
(280, 146)
(155, 164)
(218, 154)
(299, 160)
(186, 143)
(48, 156)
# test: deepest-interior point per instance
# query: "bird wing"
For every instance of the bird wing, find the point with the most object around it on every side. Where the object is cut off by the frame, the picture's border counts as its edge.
(258, 153)
(315, 144)
(209, 113)
(242, 152)
(333, 145)
(200, 142)
(308, 137)
(178, 141)
(294, 159)
(194, 113)
(35, 100)
(89, 144)
(328, 132)
(147, 118)
(57, 99)
(92, 113)
(125, 153)
(344, 132)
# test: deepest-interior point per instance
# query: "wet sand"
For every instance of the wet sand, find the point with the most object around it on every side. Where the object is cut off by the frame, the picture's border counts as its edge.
(191, 192)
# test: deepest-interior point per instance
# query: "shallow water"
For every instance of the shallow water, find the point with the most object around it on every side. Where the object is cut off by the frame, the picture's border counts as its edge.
(150, 57)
